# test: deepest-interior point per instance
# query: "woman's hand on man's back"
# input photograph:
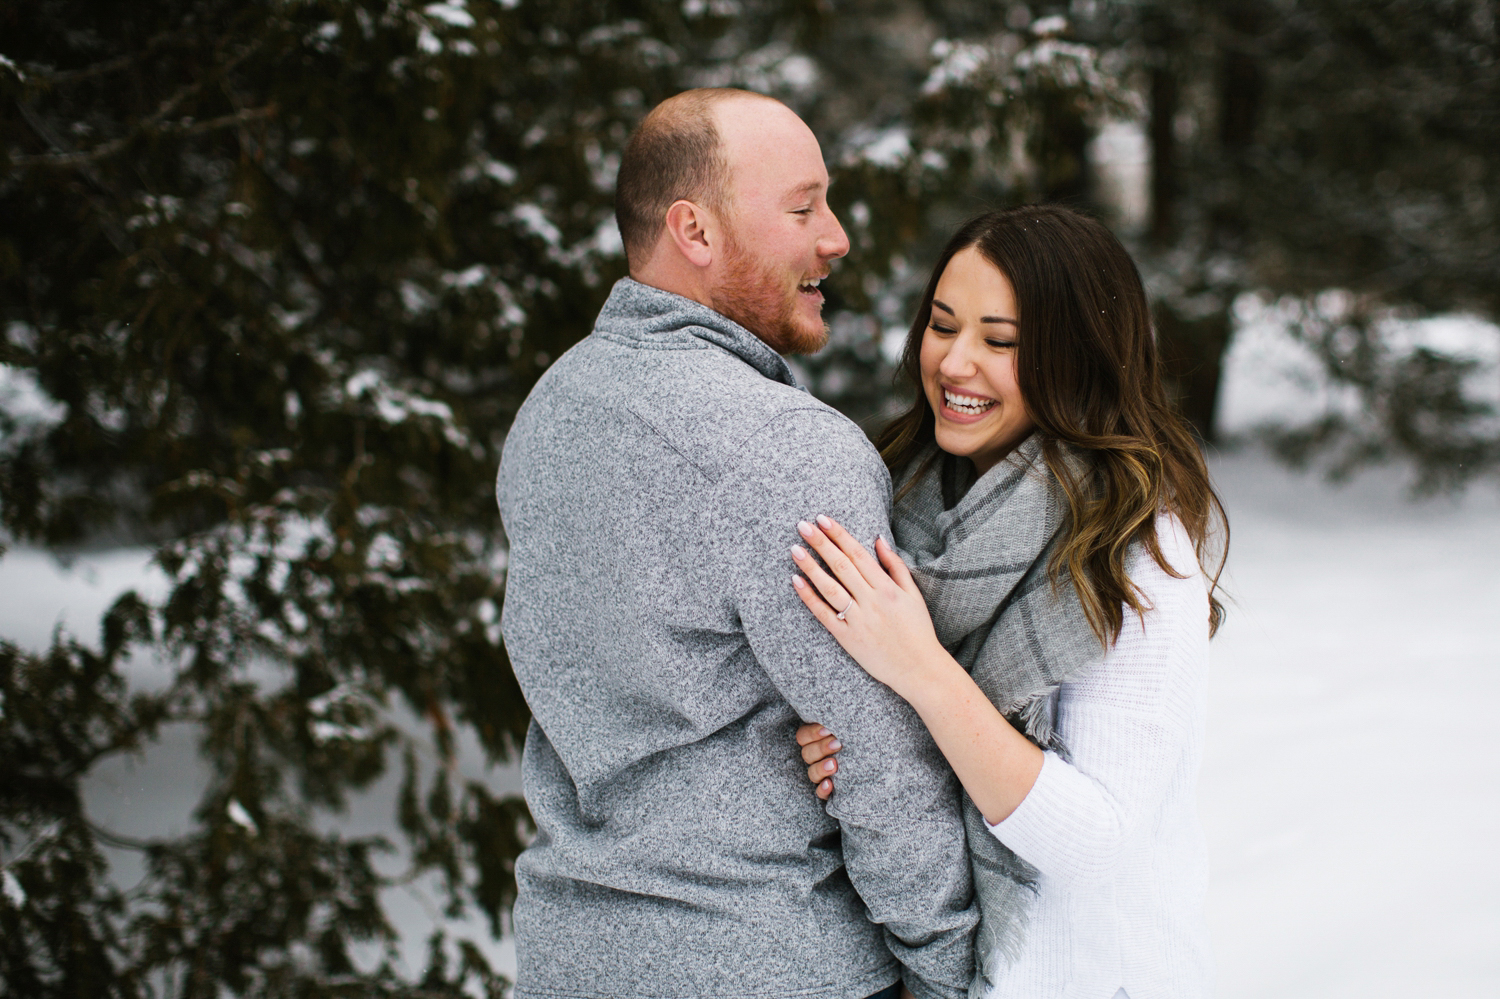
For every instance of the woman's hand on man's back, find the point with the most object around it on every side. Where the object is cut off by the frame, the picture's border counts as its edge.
(818, 748)
(871, 606)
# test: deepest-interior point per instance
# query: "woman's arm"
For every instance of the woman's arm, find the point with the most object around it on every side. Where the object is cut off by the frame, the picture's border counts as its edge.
(886, 628)
(1133, 727)
(1130, 726)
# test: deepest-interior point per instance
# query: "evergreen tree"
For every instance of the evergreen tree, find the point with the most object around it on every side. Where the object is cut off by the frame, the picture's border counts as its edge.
(274, 278)
(1306, 145)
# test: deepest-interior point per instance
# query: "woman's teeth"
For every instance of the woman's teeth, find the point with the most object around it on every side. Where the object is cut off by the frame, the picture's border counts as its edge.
(966, 404)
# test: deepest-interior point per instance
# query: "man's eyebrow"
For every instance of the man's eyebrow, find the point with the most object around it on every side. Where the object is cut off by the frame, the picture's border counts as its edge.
(807, 188)
(983, 319)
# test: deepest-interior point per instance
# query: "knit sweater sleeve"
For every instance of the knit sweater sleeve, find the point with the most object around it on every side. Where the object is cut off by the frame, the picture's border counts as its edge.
(1126, 724)
(902, 832)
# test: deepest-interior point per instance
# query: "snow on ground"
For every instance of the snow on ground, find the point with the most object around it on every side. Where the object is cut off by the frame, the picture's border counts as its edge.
(1351, 787)
(1351, 790)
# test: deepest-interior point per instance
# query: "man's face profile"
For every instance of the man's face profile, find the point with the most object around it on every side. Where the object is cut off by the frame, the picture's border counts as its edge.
(779, 235)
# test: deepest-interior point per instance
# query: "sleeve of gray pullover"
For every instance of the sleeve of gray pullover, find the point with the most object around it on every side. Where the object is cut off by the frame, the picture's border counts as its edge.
(896, 800)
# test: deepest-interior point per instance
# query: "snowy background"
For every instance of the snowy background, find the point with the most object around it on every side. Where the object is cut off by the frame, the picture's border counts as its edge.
(1351, 792)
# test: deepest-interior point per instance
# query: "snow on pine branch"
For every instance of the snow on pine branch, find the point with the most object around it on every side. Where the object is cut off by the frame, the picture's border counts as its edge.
(395, 406)
(1012, 63)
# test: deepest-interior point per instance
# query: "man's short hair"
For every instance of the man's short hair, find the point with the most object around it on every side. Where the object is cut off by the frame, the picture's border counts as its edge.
(674, 155)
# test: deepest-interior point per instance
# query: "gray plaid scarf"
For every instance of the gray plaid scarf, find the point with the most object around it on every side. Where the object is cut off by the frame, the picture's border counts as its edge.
(980, 558)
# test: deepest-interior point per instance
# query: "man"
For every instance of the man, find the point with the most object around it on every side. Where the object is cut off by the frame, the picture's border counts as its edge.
(650, 489)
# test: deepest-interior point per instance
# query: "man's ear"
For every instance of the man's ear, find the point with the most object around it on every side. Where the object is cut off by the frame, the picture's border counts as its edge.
(693, 231)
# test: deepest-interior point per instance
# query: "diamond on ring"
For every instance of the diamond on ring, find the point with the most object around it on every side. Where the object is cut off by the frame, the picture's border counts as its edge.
(840, 614)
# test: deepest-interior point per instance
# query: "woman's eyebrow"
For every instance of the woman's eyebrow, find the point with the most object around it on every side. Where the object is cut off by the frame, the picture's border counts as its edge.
(937, 304)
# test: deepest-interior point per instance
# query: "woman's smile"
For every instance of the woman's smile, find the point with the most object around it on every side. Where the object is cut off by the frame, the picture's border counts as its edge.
(968, 362)
(963, 407)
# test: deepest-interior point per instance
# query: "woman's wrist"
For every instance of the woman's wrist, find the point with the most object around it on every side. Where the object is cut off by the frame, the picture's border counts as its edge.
(996, 764)
(931, 680)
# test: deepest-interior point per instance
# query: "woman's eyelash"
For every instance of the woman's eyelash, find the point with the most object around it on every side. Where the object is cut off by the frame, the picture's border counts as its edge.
(937, 327)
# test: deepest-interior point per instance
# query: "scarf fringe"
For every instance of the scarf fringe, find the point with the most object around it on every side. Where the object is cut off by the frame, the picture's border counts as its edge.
(977, 557)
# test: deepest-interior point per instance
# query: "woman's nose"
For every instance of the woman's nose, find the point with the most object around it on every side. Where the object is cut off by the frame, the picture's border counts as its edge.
(957, 363)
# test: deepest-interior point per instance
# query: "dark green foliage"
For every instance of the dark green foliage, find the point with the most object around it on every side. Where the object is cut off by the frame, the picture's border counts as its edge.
(1372, 172)
(288, 269)
(1301, 145)
(63, 711)
(279, 274)
(275, 277)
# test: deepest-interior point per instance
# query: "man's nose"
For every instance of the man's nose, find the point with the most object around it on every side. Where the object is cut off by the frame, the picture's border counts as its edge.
(835, 242)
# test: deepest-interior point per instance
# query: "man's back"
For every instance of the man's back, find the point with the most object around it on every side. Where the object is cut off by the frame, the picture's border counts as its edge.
(650, 489)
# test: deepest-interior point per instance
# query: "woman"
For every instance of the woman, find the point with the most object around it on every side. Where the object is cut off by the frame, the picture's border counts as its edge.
(1058, 515)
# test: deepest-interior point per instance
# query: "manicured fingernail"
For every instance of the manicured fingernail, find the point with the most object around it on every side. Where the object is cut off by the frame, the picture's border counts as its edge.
(825, 785)
(797, 581)
(828, 766)
(798, 552)
(822, 732)
(835, 746)
(824, 521)
(804, 527)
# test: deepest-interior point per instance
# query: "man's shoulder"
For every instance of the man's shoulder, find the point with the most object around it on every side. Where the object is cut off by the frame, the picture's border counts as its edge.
(718, 411)
(799, 428)
(710, 406)
(773, 422)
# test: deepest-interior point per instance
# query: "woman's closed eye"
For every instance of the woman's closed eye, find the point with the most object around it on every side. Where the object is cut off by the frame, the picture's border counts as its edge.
(999, 344)
(940, 329)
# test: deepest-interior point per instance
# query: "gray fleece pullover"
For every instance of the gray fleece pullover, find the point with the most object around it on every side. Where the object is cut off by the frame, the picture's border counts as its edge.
(650, 489)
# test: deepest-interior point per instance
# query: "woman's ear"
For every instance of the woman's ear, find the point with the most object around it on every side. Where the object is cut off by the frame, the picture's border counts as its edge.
(692, 231)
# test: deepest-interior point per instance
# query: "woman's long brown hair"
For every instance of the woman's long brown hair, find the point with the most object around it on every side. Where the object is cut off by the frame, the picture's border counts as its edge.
(1088, 370)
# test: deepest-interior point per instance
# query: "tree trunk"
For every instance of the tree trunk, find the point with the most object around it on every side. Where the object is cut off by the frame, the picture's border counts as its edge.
(1192, 347)
(1064, 173)
(1192, 355)
(1163, 136)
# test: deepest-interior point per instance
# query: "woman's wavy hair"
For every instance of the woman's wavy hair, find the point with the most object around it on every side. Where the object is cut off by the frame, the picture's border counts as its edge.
(1088, 370)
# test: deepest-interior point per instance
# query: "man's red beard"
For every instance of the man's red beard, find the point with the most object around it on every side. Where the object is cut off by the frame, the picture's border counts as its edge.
(752, 297)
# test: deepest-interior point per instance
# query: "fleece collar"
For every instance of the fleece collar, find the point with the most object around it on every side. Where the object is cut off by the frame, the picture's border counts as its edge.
(639, 311)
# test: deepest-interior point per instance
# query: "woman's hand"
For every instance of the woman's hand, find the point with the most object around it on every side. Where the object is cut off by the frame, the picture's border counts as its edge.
(818, 746)
(877, 614)
(873, 609)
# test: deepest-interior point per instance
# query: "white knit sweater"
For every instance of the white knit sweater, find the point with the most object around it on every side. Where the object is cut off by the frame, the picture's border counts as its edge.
(1115, 833)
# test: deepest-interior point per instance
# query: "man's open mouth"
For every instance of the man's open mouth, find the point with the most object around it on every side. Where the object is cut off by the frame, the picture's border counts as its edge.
(811, 287)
